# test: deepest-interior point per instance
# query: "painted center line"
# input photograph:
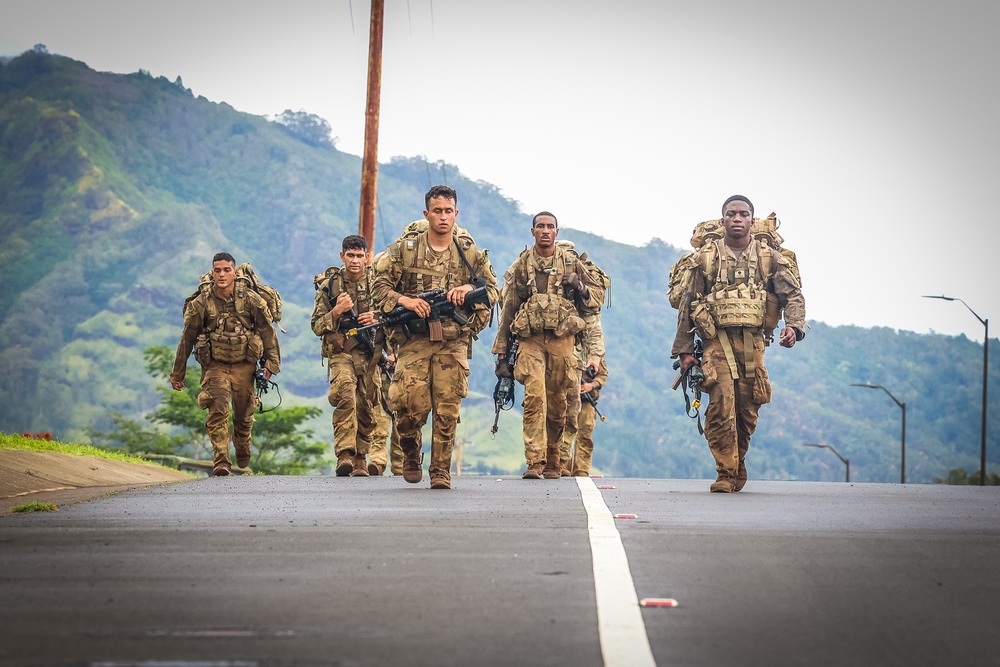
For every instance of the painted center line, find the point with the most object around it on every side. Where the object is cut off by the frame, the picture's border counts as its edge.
(619, 619)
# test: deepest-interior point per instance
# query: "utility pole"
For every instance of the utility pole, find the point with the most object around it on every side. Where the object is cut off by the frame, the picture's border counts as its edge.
(369, 162)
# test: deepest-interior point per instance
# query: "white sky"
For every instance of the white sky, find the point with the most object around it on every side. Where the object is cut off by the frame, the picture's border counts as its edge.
(868, 126)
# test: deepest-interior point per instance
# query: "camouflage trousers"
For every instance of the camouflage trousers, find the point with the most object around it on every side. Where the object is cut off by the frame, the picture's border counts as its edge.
(733, 405)
(353, 394)
(385, 428)
(579, 431)
(223, 385)
(546, 366)
(430, 377)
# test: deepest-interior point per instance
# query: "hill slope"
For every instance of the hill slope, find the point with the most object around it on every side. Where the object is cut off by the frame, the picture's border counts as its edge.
(115, 191)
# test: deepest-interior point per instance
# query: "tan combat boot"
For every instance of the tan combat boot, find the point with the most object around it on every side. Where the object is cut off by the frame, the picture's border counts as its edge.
(534, 471)
(360, 468)
(376, 469)
(243, 455)
(412, 461)
(741, 477)
(724, 484)
(345, 463)
(552, 469)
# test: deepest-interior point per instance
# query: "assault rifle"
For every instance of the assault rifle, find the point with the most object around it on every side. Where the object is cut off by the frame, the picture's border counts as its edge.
(366, 338)
(589, 373)
(437, 299)
(692, 379)
(503, 392)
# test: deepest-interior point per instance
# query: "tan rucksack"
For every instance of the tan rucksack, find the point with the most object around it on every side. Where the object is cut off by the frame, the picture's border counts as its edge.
(763, 229)
(246, 278)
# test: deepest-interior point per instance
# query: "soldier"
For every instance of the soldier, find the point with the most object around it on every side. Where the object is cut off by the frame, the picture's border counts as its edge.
(581, 415)
(343, 302)
(432, 366)
(545, 290)
(732, 296)
(228, 326)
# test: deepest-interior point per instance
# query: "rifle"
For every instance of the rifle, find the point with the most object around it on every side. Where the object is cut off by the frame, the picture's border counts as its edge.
(366, 338)
(437, 299)
(589, 373)
(692, 379)
(503, 392)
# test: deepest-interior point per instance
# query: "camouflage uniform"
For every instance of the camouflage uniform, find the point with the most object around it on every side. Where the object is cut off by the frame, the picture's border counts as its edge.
(542, 311)
(581, 416)
(228, 337)
(432, 366)
(763, 282)
(352, 371)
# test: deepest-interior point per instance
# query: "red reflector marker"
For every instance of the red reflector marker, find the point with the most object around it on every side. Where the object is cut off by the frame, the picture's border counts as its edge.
(657, 602)
(626, 516)
(606, 486)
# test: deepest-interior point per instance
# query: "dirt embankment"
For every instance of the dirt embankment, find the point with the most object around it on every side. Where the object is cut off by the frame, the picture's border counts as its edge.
(64, 479)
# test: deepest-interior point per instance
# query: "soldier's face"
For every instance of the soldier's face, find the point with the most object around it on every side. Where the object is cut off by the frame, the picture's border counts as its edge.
(441, 214)
(354, 261)
(223, 273)
(737, 219)
(545, 230)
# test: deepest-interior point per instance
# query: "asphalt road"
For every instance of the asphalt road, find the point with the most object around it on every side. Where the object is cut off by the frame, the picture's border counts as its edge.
(501, 571)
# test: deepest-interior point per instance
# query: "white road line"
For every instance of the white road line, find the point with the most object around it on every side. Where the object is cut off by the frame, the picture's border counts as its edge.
(619, 619)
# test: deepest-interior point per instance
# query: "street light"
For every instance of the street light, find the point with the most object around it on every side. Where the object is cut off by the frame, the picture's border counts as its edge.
(986, 375)
(847, 462)
(902, 463)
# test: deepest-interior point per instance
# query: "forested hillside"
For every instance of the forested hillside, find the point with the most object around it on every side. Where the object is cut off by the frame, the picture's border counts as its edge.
(115, 191)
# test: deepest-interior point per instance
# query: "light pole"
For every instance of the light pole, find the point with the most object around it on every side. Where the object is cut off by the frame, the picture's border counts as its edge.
(986, 375)
(902, 462)
(847, 462)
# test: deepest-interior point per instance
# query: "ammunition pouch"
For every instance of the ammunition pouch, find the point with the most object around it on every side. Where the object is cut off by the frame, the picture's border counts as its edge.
(704, 325)
(229, 347)
(202, 350)
(737, 306)
(547, 312)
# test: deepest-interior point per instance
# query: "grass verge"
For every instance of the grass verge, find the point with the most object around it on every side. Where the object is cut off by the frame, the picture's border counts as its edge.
(35, 506)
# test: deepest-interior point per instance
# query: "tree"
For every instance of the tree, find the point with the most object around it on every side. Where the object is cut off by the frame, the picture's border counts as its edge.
(307, 127)
(280, 448)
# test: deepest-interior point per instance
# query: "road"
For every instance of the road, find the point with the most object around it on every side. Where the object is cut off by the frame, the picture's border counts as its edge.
(502, 571)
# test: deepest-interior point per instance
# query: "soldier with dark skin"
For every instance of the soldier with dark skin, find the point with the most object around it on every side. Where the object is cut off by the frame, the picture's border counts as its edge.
(229, 329)
(542, 292)
(724, 302)
(432, 367)
(343, 301)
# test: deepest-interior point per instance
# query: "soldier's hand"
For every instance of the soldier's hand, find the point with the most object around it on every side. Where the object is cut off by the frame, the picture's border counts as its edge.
(503, 368)
(687, 361)
(457, 294)
(344, 304)
(586, 387)
(573, 282)
(366, 318)
(419, 306)
(178, 385)
(788, 337)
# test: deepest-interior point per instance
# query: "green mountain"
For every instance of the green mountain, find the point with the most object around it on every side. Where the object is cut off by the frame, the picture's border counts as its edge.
(116, 190)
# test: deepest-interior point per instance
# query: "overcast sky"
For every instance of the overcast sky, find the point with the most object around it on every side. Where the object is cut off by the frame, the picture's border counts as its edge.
(869, 127)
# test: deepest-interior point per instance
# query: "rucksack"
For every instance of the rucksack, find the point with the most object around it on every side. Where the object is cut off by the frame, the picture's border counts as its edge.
(764, 230)
(602, 291)
(246, 278)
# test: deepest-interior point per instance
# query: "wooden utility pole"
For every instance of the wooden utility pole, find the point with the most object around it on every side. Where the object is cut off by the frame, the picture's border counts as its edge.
(369, 162)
